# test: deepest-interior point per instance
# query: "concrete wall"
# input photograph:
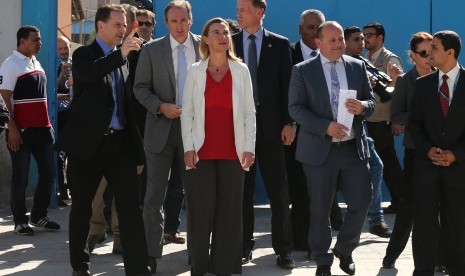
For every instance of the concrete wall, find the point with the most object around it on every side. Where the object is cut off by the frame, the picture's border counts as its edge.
(10, 21)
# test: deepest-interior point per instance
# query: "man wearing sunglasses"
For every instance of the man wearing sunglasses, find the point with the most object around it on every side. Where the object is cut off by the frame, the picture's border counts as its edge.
(146, 21)
(378, 124)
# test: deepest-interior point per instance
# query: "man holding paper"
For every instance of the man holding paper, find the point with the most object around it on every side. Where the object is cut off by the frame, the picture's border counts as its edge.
(329, 97)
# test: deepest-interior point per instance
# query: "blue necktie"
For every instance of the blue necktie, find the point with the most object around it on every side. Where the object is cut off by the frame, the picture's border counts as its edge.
(252, 65)
(335, 87)
(313, 53)
(182, 72)
(119, 97)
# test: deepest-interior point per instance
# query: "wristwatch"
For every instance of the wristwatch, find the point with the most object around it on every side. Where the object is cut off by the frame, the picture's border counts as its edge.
(293, 124)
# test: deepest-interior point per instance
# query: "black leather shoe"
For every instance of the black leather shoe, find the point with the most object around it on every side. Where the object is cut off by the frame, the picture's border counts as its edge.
(323, 270)
(246, 256)
(285, 261)
(309, 254)
(81, 273)
(388, 262)
(345, 262)
(381, 229)
(152, 264)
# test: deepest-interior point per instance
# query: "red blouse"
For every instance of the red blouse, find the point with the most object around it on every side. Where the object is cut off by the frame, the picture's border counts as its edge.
(219, 140)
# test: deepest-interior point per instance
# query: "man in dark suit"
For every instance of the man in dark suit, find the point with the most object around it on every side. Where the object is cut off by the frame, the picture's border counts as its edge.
(331, 154)
(437, 126)
(302, 50)
(101, 139)
(268, 58)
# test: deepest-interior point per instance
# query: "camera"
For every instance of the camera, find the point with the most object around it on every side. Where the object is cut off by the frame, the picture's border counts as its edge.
(379, 81)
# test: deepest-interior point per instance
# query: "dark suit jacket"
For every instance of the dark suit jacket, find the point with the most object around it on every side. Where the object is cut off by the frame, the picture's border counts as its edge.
(273, 74)
(427, 125)
(296, 53)
(401, 102)
(310, 107)
(93, 104)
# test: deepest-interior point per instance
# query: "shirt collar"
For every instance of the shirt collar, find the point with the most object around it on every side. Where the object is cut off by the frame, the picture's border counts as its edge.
(324, 60)
(105, 47)
(258, 34)
(452, 74)
(188, 43)
(307, 50)
(376, 54)
(21, 56)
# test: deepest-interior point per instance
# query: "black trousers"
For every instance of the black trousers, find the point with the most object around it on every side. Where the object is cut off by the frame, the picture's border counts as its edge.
(404, 216)
(114, 159)
(438, 189)
(271, 163)
(384, 144)
(214, 191)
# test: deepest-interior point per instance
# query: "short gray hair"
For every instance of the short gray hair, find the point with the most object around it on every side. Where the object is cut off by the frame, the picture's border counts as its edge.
(313, 12)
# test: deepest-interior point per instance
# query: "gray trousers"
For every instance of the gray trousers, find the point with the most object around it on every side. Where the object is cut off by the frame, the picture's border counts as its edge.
(343, 169)
(214, 199)
(158, 173)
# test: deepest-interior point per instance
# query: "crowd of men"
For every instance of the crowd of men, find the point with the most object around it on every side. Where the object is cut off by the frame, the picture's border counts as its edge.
(120, 145)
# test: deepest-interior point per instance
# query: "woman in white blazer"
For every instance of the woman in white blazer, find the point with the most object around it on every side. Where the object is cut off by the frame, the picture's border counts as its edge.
(218, 133)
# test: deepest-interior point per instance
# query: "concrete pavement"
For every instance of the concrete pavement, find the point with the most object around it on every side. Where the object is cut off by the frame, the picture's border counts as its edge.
(46, 253)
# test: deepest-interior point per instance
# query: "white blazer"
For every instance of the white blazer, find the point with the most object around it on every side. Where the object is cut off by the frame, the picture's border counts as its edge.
(193, 108)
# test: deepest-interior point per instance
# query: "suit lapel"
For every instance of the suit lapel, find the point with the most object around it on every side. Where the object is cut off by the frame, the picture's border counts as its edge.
(265, 50)
(195, 41)
(321, 85)
(458, 96)
(99, 54)
(298, 52)
(168, 59)
(349, 75)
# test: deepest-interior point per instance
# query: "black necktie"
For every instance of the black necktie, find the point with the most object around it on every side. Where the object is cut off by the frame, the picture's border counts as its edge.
(252, 64)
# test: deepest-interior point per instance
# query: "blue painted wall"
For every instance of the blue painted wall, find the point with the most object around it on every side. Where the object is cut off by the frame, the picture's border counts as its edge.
(400, 18)
(43, 14)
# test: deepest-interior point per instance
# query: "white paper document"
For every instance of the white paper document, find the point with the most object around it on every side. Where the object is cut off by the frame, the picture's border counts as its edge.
(343, 116)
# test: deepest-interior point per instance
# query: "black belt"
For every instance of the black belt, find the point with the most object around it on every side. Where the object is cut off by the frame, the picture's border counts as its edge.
(382, 122)
(344, 143)
(111, 131)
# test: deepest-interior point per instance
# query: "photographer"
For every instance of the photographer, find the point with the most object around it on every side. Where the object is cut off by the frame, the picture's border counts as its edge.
(64, 95)
(354, 47)
(379, 124)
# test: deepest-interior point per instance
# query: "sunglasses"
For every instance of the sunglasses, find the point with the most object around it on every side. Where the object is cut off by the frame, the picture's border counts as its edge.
(146, 23)
(368, 35)
(422, 54)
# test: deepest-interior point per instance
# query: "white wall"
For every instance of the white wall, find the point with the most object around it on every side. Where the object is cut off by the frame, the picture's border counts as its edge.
(10, 21)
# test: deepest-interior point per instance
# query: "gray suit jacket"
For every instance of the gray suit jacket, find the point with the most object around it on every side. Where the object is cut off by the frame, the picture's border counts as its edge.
(310, 107)
(154, 84)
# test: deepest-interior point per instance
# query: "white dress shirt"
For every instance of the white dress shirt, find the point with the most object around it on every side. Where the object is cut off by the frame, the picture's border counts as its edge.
(451, 81)
(189, 51)
(307, 51)
(342, 77)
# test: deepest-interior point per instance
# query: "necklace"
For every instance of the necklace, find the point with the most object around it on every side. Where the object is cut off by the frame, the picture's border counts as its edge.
(217, 68)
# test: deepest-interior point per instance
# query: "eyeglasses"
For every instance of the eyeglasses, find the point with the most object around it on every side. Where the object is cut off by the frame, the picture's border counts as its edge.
(146, 23)
(368, 35)
(422, 54)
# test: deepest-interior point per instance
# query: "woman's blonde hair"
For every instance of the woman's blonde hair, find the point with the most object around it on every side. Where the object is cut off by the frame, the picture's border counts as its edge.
(203, 47)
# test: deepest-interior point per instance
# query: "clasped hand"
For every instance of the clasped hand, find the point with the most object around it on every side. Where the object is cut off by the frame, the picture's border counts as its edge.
(441, 157)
